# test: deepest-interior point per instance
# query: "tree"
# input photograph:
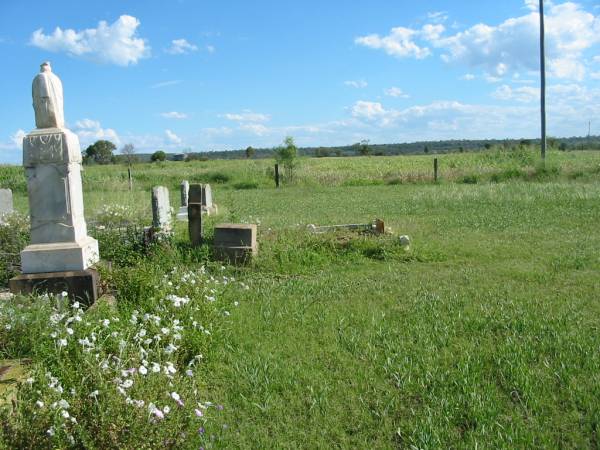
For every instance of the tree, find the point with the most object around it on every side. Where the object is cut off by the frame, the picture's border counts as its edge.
(158, 155)
(363, 147)
(426, 149)
(100, 152)
(250, 152)
(286, 155)
(128, 152)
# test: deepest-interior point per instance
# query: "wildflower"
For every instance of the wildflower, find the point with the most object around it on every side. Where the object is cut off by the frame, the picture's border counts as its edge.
(105, 323)
(189, 373)
(169, 368)
(143, 370)
(70, 331)
(165, 331)
(127, 384)
(64, 294)
(75, 305)
(226, 313)
(39, 404)
(62, 342)
(170, 349)
(64, 404)
(166, 410)
(65, 414)
(154, 410)
(30, 380)
(155, 367)
(236, 303)
(50, 431)
(94, 394)
(198, 412)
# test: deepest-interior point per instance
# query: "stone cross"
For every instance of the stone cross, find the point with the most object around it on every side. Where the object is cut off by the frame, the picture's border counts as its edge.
(161, 209)
(6, 203)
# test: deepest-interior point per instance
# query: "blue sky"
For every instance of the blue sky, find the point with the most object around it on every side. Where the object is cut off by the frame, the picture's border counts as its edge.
(203, 76)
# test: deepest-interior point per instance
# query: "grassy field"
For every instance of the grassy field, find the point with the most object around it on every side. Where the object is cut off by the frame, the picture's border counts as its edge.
(483, 335)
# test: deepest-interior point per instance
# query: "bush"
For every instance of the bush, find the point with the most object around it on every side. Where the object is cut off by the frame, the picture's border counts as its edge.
(218, 177)
(158, 156)
(470, 179)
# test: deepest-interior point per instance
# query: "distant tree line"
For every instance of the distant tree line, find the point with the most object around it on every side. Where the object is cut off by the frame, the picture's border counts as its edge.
(102, 151)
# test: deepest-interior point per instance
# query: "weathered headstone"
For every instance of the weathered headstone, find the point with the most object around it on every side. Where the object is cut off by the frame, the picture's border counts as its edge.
(207, 200)
(235, 243)
(52, 160)
(6, 203)
(195, 226)
(182, 215)
(161, 209)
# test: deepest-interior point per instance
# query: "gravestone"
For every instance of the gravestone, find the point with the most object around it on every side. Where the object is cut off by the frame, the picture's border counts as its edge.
(235, 243)
(6, 203)
(182, 214)
(195, 226)
(208, 206)
(161, 209)
(52, 159)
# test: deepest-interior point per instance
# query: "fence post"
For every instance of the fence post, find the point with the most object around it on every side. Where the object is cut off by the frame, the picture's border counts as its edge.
(276, 175)
(130, 178)
(435, 170)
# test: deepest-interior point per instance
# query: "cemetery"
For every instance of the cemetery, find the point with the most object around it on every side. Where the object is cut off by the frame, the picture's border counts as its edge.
(424, 301)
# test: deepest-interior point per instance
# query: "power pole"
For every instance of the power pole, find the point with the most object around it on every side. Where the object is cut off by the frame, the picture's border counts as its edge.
(543, 77)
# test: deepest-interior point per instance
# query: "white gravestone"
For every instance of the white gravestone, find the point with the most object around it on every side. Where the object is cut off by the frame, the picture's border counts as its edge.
(52, 161)
(208, 207)
(182, 215)
(161, 209)
(6, 203)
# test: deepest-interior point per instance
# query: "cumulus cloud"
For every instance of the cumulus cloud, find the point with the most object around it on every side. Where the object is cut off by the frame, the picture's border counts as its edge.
(368, 110)
(174, 115)
(399, 43)
(166, 83)
(507, 47)
(468, 77)
(437, 16)
(524, 94)
(255, 128)
(396, 92)
(181, 47)
(247, 116)
(172, 137)
(90, 131)
(358, 84)
(116, 43)
(17, 138)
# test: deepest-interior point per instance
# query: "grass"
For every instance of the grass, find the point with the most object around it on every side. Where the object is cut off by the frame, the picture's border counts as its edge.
(483, 335)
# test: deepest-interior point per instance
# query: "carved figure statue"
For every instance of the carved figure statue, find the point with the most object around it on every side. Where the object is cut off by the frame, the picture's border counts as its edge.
(47, 95)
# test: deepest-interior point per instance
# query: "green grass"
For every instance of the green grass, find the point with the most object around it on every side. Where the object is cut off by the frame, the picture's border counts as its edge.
(484, 334)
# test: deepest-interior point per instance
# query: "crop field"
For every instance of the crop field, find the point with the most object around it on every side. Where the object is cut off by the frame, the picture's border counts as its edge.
(484, 334)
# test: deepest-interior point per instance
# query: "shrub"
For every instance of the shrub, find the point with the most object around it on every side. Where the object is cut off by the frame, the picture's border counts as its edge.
(218, 177)
(246, 185)
(470, 179)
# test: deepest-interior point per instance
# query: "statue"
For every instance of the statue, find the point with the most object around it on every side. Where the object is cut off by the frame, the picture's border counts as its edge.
(47, 95)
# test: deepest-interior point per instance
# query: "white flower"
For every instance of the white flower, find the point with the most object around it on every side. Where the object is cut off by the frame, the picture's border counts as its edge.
(75, 305)
(65, 414)
(62, 342)
(175, 396)
(164, 330)
(236, 303)
(30, 380)
(50, 431)
(63, 404)
(155, 367)
(94, 394)
(106, 323)
(70, 331)
(64, 294)
(127, 384)
(189, 373)
(39, 404)
(166, 410)
(143, 370)
(142, 332)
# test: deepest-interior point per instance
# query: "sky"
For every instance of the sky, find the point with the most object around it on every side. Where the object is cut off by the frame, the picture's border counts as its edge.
(193, 75)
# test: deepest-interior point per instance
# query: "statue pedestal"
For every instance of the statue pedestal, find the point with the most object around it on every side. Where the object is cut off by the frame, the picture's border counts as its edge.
(59, 240)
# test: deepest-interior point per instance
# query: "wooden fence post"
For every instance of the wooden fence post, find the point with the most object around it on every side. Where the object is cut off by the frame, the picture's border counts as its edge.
(435, 169)
(276, 175)
(130, 178)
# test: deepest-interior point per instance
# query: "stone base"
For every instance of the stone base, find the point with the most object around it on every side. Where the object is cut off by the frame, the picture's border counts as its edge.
(182, 214)
(80, 285)
(60, 256)
(234, 255)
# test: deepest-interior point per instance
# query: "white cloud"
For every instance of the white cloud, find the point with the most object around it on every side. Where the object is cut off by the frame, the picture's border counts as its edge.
(399, 43)
(172, 137)
(174, 115)
(247, 116)
(437, 16)
(358, 84)
(396, 92)
(468, 77)
(255, 128)
(368, 110)
(166, 83)
(210, 49)
(181, 47)
(115, 44)
(507, 47)
(90, 131)
(597, 59)
(524, 94)
(17, 138)
(595, 75)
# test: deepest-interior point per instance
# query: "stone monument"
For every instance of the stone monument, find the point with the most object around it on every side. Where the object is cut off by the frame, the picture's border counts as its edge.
(235, 243)
(161, 209)
(6, 203)
(61, 250)
(182, 215)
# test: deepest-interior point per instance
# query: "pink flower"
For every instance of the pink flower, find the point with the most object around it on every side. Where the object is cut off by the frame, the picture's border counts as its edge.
(198, 412)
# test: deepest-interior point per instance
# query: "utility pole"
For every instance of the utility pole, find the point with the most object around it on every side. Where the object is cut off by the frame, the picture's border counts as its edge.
(543, 78)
